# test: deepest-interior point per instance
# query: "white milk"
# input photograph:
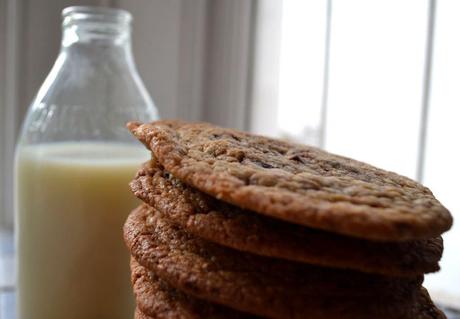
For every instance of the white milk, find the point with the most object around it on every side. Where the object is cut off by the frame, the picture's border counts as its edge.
(72, 200)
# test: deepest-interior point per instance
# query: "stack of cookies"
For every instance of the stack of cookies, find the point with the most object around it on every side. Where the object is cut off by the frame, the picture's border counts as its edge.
(236, 225)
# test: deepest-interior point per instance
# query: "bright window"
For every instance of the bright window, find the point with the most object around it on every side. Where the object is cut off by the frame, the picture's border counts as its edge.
(373, 94)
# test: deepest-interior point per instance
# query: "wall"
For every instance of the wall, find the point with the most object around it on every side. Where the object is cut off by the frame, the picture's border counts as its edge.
(192, 55)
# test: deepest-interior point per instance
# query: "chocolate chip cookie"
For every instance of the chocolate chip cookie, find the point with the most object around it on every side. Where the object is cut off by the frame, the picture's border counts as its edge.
(228, 225)
(138, 314)
(260, 285)
(156, 299)
(161, 301)
(296, 183)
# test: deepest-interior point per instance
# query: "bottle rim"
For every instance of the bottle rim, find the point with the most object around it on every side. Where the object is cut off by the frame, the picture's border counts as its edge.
(95, 14)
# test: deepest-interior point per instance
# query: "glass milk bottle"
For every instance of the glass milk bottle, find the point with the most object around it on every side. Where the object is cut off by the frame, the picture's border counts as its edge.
(74, 160)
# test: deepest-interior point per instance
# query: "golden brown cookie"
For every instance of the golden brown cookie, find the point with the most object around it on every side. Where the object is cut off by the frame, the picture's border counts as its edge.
(260, 285)
(423, 309)
(138, 314)
(156, 299)
(228, 225)
(296, 183)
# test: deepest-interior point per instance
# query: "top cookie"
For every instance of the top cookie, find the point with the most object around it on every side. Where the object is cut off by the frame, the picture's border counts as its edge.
(296, 183)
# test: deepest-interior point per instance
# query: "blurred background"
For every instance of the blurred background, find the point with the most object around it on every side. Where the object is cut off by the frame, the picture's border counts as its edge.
(376, 80)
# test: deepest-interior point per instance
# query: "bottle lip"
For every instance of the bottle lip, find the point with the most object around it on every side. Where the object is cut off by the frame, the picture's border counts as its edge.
(95, 14)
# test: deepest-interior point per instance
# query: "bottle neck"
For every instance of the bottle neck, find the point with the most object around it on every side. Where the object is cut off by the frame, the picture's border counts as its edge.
(97, 37)
(96, 27)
